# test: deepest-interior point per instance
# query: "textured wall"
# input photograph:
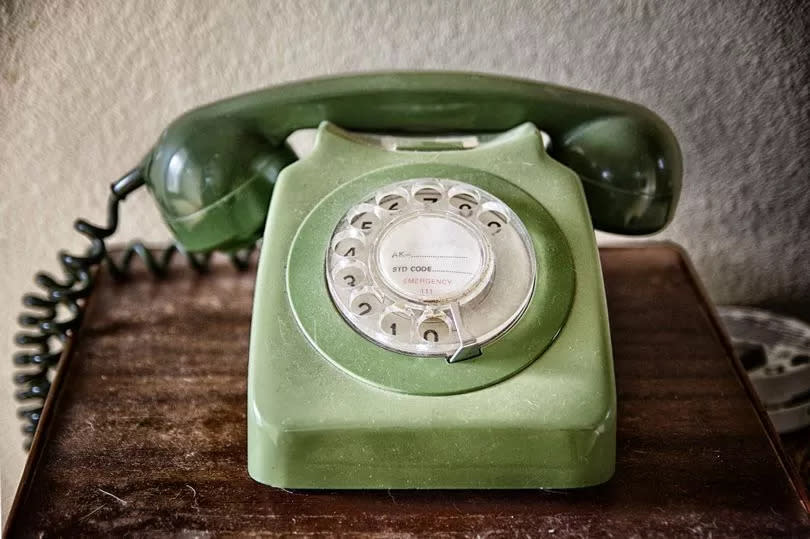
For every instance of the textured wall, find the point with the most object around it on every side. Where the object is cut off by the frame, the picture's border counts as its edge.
(86, 87)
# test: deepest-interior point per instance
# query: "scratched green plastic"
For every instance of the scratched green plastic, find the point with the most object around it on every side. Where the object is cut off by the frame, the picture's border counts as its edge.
(213, 169)
(314, 421)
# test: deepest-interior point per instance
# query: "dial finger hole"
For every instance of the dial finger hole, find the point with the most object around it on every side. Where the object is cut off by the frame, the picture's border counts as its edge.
(465, 202)
(349, 244)
(364, 218)
(434, 330)
(397, 323)
(351, 275)
(393, 201)
(493, 217)
(428, 195)
(365, 304)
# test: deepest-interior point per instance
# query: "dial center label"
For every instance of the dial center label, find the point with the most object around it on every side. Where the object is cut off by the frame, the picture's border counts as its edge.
(430, 257)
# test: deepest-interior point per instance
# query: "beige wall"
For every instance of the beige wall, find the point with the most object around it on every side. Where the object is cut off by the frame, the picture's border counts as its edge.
(86, 87)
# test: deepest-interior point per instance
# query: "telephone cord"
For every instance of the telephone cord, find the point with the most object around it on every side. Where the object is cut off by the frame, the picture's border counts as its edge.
(39, 355)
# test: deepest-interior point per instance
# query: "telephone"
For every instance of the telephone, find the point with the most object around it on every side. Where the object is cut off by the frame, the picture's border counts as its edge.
(429, 310)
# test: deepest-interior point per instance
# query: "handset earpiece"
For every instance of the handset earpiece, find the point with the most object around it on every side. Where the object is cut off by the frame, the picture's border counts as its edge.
(212, 182)
(630, 186)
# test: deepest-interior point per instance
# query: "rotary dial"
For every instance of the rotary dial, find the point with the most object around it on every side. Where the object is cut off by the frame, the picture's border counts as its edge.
(431, 267)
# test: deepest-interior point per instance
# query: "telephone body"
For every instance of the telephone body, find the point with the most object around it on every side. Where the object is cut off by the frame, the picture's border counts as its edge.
(332, 406)
(429, 308)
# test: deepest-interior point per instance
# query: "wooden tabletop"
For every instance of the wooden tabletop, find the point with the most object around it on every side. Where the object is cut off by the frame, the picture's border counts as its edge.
(146, 434)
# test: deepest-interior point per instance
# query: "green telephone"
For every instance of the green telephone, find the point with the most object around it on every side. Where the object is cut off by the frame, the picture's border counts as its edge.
(429, 310)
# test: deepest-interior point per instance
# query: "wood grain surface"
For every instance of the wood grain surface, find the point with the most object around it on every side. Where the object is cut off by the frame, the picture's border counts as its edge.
(147, 433)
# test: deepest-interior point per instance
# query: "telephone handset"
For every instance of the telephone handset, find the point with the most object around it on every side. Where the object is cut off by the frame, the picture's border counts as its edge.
(213, 168)
(429, 311)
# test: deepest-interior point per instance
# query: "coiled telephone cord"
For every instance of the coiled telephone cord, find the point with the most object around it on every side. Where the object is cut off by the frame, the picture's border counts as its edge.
(40, 354)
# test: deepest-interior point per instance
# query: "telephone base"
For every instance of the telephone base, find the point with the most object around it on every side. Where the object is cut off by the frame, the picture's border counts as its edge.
(480, 458)
(330, 409)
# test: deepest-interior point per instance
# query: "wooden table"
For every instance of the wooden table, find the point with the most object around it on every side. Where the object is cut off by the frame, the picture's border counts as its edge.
(146, 434)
